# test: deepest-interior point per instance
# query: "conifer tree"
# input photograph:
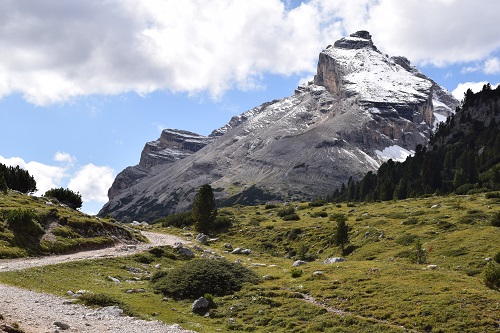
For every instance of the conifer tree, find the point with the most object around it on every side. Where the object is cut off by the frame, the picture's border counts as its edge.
(204, 209)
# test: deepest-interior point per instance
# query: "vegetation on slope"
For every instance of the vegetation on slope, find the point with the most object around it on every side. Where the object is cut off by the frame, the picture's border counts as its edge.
(380, 288)
(463, 157)
(31, 226)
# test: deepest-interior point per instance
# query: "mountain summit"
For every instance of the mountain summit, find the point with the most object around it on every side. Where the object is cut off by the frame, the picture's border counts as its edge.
(362, 108)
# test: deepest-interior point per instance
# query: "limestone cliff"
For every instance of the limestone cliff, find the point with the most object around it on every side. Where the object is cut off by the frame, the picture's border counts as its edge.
(362, 108)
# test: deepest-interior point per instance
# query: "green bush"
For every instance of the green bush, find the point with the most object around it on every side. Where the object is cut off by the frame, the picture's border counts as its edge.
(270, 206)
(296, 272)
(179, 220)
(319, 214)
(291, 217)
(406, 239)
(286, 211)
(23, 221)
(202, 276)
(492, 275)
(103, 300)
(222, 223)
(496, 257)
(492, 195)
(66, 196)
(495, 220)
(317, 203)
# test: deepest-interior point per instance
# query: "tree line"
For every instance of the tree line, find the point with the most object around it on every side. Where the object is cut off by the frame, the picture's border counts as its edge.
(463, 157)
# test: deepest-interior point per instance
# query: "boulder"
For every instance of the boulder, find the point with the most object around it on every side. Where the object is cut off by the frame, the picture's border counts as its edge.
(299, 263)
(200, 303)
(333, 260)
(202, 238)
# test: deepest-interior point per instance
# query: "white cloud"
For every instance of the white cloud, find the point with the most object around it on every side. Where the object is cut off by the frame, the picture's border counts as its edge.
(492, 66)
(92, 182)
(53, 51)
(46, 176)
(460, 90)
(64, 157)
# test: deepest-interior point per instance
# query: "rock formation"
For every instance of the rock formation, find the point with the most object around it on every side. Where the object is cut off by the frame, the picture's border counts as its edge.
(362, 108)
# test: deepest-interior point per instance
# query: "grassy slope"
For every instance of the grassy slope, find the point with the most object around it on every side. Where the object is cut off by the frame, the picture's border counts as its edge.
(63, 229)
(378, 289)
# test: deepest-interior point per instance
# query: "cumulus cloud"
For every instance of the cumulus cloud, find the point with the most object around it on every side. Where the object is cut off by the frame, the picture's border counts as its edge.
(460, 90)
(64, 157)
(46, 176)
(53, 51)
(92, 182)
(492, 66)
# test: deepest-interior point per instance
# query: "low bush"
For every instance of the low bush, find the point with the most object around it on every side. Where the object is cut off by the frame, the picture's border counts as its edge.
(66, 196)
(495, 219)
(286, 211)
(202, 276)
(492, 195)
(295, 272)
(291, 217)
(22, 221)
(270, 206)
(99, 299)
(492, 275)
(319, 214)
(496, 257)
(317, 203)
(178, 220)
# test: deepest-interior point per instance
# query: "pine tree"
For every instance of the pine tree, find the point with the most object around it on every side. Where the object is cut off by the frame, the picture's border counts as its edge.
(204, 209)
(342, 232)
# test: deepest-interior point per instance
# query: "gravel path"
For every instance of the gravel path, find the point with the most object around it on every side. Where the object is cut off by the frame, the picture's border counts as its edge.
(46, 313)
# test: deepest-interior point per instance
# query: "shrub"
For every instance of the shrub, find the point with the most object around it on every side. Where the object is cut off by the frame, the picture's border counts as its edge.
(319, 214)
(317, 203)
(270, 206)
(286, 211)
(291, 217)
(492, 195)
(406, 239)
(23, 221)
(222, 223)
(202, 276)
(418, 255)
(66, 196)
(495, 219)
(492, 275)
(296, 272)
(178, 220)
(496, 257)
(103, 300)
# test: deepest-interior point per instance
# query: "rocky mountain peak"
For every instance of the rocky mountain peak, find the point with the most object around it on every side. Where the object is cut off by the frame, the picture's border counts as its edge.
(358, 40)
(362, 108)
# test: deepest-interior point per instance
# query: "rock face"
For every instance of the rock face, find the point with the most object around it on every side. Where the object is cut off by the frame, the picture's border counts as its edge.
(362, 108)
(172, 145)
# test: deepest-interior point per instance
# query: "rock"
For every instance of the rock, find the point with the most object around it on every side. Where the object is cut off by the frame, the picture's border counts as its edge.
(177, 245)
(299, 263)
(200, 303)
(435, 206)
(135, 291)
(70, 293)
(115, 280)
(361, 107)
(239, 250)
(228, 246)
(61, 325)
(333, 260)
(202, 238)
(246, 251)
(157, 266)
(318, 273)
(433, 267)
(185, 252)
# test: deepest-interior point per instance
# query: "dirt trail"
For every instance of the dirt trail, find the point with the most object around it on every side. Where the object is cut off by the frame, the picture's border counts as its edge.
(38, 312)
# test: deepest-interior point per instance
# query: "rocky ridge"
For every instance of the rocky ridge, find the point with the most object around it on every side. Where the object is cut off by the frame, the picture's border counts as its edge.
(362, 108)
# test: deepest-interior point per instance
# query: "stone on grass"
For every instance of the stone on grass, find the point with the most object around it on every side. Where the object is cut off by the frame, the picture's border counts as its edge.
(299, 263)
(200, 303)
(333, 260)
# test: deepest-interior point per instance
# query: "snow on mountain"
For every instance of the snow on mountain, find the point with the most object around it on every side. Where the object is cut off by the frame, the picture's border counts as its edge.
(362, 108)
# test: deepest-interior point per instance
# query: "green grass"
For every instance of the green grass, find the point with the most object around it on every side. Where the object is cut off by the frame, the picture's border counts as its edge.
(378, 288)
(33, 226)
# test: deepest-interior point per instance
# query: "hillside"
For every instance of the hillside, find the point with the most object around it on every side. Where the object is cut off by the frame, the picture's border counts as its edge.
(463, 156)
(33, 226)
(362, 108)
(379, 288)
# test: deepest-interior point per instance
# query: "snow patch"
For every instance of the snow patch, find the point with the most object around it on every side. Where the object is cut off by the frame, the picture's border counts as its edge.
(396, 153)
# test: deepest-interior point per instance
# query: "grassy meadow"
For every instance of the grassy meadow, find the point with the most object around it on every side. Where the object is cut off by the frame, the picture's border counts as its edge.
(380, 288)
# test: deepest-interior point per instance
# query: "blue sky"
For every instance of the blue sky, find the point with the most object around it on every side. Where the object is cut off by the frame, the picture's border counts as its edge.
(85, 84)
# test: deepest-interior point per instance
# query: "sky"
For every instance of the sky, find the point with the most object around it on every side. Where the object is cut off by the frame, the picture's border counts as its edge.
(84, 84)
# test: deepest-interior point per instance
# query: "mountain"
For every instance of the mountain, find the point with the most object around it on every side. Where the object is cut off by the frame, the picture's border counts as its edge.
(463, 157)
(362, 108)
